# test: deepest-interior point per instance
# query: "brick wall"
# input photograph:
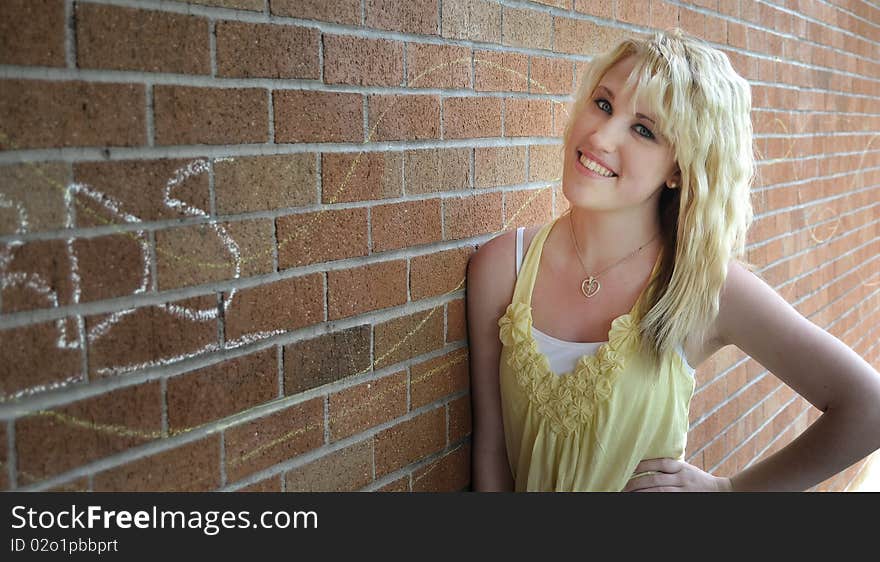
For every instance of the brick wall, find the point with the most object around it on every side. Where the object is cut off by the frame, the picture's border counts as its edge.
(234, 233)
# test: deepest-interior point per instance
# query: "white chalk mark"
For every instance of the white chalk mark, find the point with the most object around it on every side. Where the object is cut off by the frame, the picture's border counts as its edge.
(113, 371)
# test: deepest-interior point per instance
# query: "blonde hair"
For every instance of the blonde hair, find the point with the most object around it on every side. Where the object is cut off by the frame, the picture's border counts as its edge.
(702, 106)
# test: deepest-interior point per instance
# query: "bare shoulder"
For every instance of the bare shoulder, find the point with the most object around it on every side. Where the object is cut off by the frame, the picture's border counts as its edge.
(491, 272)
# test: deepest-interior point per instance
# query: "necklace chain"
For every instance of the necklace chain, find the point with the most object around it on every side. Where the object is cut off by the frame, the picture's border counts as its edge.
(590, 286)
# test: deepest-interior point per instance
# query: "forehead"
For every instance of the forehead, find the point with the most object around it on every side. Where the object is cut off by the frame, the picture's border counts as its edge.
(616, 76)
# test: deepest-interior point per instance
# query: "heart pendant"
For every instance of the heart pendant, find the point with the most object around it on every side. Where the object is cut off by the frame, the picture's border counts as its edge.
(590, 287)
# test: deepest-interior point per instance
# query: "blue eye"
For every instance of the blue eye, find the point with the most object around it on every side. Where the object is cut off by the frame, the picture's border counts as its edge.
(647, 134)
(599, 103)
(641, 129)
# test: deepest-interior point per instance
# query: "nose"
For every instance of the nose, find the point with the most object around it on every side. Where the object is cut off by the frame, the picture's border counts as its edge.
(604, 136)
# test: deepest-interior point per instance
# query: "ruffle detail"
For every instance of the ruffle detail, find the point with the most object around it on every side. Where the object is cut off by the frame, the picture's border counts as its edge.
(568, 402)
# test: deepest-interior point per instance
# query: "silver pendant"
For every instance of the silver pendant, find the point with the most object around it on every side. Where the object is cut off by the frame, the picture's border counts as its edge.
(590, 286)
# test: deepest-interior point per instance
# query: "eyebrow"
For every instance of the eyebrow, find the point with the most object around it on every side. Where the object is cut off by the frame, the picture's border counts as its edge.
(611, 95)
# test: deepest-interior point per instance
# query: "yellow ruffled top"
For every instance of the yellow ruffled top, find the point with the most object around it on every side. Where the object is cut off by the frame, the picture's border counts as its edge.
(585, 430)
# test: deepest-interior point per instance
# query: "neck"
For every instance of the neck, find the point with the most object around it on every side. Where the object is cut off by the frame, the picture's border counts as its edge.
(604, 239)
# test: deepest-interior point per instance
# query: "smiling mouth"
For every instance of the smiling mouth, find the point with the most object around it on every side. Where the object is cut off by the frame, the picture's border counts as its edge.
(594, 166)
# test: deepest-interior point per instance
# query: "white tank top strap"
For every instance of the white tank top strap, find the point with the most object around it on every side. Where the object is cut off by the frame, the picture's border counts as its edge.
(519, 248)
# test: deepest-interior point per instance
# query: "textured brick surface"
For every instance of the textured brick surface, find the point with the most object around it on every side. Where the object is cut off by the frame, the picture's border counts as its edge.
(32, 32)
(439, 377)
(77, 485)
(408, 336)
(282, 305)
(40, 114)
(449, 473)
(416, 16)
(142, 336)
(345, 470)
(439, 272)
(399, 485)
(192, 255)
(327, 358)
(496, 166)
(367, 405)
(459, 418)
(402, 117)
(456, 325)
(346, 12)
(63, 438)
(471, 117)
(582, 37)
(362, 61)
(212, 393)
(360, 176)
(664, 15)
(526, 28)
(545, 162)
(475, 20)
(601, 8)
(407, 224)
(496, 71)
(528, 208)
(38, 190)
(118, 38)
(365, 288)
(303, 116)
(322, 236)
(22, 368)
(4, 460)
(436, 169)
(256, 5)
(437, 66)
(550, 76)
(252, 50)
(271, 484)
(472, 215)
(136, 188)
(246, 184)
(527, 118)
(189, 115)
(259, 444)
(410, 441)
(112, 266)
(193, 467)
(38, 273)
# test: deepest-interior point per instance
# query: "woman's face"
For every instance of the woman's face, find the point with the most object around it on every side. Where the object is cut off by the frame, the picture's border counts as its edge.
(636, 161)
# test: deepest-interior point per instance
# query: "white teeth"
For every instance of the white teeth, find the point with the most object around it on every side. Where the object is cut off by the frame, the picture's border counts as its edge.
(599, 169)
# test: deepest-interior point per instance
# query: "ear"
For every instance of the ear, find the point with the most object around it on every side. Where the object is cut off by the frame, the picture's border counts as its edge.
(674, 180)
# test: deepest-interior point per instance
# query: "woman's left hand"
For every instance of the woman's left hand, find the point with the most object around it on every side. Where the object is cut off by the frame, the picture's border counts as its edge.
(671, 475)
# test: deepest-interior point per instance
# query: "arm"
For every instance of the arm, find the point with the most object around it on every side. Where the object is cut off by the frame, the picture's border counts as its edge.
(485, 306)
(819, 367)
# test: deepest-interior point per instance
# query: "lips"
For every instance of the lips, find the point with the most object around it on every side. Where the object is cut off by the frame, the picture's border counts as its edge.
(596, 160)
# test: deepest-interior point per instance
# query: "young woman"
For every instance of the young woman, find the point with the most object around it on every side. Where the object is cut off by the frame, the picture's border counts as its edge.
(585, 332)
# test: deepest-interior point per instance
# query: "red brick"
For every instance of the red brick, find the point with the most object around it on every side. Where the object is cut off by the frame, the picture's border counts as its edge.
(474, 20)
(526, 28)
(279, 306)
(253, 446)
(456, 326)
(150, 335)
(545, 162)
(502, 165)
(601, 8)
(254, 5)
(189, 115)
(367, 405)
(192, 467)
(117, 38)
(38, 275)
(410, 441)
(253, 50)
(346, 470)
(437, 66)
(361, 176)
(325, 359)
(362, 61)
(527, 118)
(218, 391)
(32, 32)
(361, 289)
(321, 236)
(4, 460)
(582, 37)
(459, 418)
(77, 485)
(399, 485)
(550, 76)
(407, 336)
(438, 273)
(305, 116)
(450, 473)
(113, 266)
(637, 13)
(137, 189)
(271, 484)
(528, 208)
(437, 378)
(192, 255)
(664, 15)
(22, 368)
(54, 441)
(42, 114)
(416, 16)
(346, 12)
(437, 169)
(400, 117)
(471, 117)
(406, 224)
(260, 183)
(692, 22)
(38, 190)
(472, 215)
(500, 71)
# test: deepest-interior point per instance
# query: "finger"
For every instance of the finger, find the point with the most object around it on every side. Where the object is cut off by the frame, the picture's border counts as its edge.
(667, 465)
(651, 481)
(661, 489)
